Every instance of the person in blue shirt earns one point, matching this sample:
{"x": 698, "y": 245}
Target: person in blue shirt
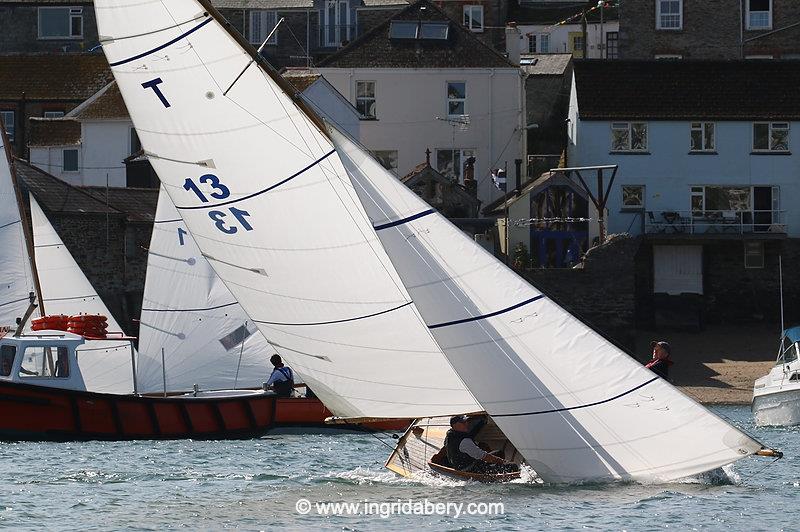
{"x": 282, "y": 378}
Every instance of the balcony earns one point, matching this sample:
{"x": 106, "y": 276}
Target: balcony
{"x": 767, "y": 223}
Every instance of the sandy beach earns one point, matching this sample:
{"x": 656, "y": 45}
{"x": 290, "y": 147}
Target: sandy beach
{"x": 719, "y": 364}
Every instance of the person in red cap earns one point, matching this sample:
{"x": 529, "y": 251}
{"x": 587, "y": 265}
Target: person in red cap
{"x": 661, "y": 361}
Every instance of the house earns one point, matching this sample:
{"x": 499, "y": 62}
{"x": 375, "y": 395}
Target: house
{"x": 28, "y": 26}
{"x": 46, "y": 85}
{"x": 707, "y": 168}
{"x": 107, "y": 231}
{"x": 311, "y": 30}
{"x": 323, "y": 98}
{"x": 697, "y": 29}
{"x": 422, "y": 80}
{"x": 583, "y": 29}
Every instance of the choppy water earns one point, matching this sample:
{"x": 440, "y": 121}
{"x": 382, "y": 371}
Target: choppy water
{"x": 256, "y": 484}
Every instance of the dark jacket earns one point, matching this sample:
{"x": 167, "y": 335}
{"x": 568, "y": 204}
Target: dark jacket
{"x": 660, "y": 367}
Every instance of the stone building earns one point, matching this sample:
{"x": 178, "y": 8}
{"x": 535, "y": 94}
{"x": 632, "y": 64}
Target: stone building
{"x": 28, "y": 26}
{"x": 699, "y": 29}
{"x": 450, "y": 198}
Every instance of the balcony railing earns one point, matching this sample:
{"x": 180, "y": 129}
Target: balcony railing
{"x": 715, "y": 222}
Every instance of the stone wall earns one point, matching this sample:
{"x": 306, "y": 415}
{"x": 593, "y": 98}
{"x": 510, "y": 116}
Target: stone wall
{"x": 19, "y": 31}
{"x": 602, "y": 291}
{"x": 711, "y": 30}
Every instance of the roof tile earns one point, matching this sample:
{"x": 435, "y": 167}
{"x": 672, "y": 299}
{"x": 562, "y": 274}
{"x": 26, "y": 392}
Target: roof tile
{"x": 66, "y": 77}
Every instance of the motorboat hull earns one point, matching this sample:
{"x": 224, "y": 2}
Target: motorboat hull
{"x": 781, "y": 407}
{"x": 37, "y": 413}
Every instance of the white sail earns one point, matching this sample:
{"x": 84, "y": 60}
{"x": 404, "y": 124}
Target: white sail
{"x": 188, "y": 312}
{"x": 105, "y": 364}
{"x": 268, "y": 203}
{"x": 16, "y": 280}
{"x": 575, "y": 406}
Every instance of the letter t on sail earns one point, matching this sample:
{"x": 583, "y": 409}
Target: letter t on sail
{"x": 153, "y": 84}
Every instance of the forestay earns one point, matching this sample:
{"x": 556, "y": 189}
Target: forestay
{"x": 265, "y": 196}
{"x": 188, "y": 312}
{"x": 575, "y": 406}
{"x": 105, "y": 364}
{"x": 16, "y": 279}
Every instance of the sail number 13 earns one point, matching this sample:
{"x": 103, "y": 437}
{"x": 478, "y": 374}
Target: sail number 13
{"x": 221, "y": 218}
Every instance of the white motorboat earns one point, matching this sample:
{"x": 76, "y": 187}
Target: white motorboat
{"x": 776, "y": 395}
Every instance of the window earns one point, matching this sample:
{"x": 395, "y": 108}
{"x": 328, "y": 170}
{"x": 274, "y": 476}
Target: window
{"x": 261, "y": 24}
{"x": 136, "y": 145}
{"x": 629, "y": 136}
{"x": 7, "y": 354}
{"x": 8, "y": 123}
{"x": 667, "y": 56}
{"x": 612, "y": 45}
{"x": 473, "y": 18}
{"x": 40, "y": 361}
{"x": 434, "y": 30}
{"x": 456, "y": 98}
{"x": 753, "y": 254}
{"x": 771, "y": 136}
{"x": 387, "y": 158}
{"x": 60, "y": 22}
{"x": 365, "y": 98}
{"x": 669, "y": 14}
{"x": 400, "y": 29}
{"x": 405, "y": 30}
{"x": 576, "y": 44}
{"x": 759, "y": 14}
{"x": 701, "y": 137}
{"x": 532, "y": 44}
{"x": 633, "y": 197}
{"x": 53, "y": 114}
{"x": 337, "y": 22}
{"x": 70, "y": 162}
{"x": 543, "y": 41}
{"x": 451, "y": 163}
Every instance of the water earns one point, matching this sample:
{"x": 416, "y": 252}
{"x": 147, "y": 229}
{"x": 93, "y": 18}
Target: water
{"x": 256, "y": 484}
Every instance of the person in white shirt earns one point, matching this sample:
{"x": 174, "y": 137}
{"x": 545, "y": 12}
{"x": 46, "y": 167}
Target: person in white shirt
{"x": 282, "y": 378}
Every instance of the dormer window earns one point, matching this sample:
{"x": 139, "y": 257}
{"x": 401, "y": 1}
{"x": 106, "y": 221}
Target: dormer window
{"x": 407, "y": 30}
{"x": 60, "y": 22}
{"x": 401, "y": 29}
{"x": 434, "y": 30}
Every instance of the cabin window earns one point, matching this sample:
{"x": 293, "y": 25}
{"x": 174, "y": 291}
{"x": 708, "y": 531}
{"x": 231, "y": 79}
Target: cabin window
{"x": 365, "y": 98}
{"x": 629, "y": 136}
{"x": 7, "y": 354}
{"x": 669, "y": 14}
{"x": 456, "y": 98}
{"x": 770, "y": 136}
{"x": 759, "y": 14}
{"x": 8, "y": 122}
{"x": 473, "y": 17}
{"x": 45, "y": 361}
{"x": 789, "y": 354}
{"x": 60, "y": 22}
{"x": 261, "y": 24}
{"x": 701, "y": 137}
{"x": 70, "y": 161}
{"x": 387, "y": 158}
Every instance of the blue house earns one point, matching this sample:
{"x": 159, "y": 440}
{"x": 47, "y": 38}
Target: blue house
{"x": 709, "y": 167}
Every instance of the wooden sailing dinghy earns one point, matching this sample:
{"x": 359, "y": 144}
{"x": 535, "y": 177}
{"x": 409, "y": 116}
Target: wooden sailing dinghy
{"x": 386, "y": 308}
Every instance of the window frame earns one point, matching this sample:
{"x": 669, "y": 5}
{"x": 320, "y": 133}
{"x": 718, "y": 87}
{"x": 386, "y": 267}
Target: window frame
{"x": 641, "y": 205}
{"x": 374, "y": 98}
{"x": 659, "y": 15}
{"x": 10, "y": 131}
{"x": 629, "y": 128}
{"x": 58, "y": 350}
{"x": 615, "y": 40}
{"x": 747, "y": 19}
{"x": 72, "y": 12}
{"x": 770, "y": 128}
{"x": 64, "y": 160}
{"x": 702, "y": 128}
{"x": 53, "y": 114}
{"x": 333, "y": 36}
{"x": 273, "y": 41}
{"x": 456, "y": 100}
{"x": 471, "y": 8}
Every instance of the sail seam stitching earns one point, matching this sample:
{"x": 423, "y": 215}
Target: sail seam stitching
{"x": 484, "y": 316}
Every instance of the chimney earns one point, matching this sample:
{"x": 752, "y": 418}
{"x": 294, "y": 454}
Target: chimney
{"x": 512, "y": 42}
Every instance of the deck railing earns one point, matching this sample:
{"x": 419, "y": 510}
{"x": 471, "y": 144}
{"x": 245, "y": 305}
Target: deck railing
{"x": 715, "y": 222}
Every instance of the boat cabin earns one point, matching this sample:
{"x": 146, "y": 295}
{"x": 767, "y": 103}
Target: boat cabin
{"x": 42, "y": 358}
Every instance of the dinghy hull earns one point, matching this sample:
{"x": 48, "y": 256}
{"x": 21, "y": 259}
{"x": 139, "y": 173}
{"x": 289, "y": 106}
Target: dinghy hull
{"x": 38, "y": 413}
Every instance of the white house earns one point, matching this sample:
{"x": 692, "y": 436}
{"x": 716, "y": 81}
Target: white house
{"x": 422, "y": 81}
{"x": 325, "y": 99}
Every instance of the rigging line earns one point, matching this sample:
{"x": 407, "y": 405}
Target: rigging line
{"x": 587, "y": 405}
{"x": 161, "y": 47}
{"x": 10, "y": 224}
{"x": 15, "y": 301}
{"x": 337, "y": 321}
{"x": 189, "y": 309}
{"x": 484, "y": 316}
{"x": 252, "y": 59}
{"x": 254, "y": 194}
{"x": 113, "y": 39}
{"x": 404, "y": 220}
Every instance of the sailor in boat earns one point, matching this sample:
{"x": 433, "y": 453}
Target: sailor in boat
{"x": 466, "y": 455}
{"x": 282, "y": 379}
{"x": 661, "y": 361}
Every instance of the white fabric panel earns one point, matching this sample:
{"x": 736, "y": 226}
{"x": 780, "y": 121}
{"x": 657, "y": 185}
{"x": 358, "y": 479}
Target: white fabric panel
{"x": 16, "y": 280}
{"x": 678, "y": 269}
{"x": 105, "y": 364}
{"x": 189, "y": 312}
{"x": 577, "y": 407}
{"x": 303, "y": 260}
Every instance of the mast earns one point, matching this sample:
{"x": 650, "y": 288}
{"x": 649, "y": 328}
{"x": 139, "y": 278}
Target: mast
{"x": 23, "y": 220}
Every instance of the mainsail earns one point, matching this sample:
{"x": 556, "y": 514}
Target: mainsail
{"x": 105, "y": 364}
{"x": 265, "y": 197}
{"x": 206, "y": 337}
{"x": 576, "y": 406}
{"x": 17, "y": 281}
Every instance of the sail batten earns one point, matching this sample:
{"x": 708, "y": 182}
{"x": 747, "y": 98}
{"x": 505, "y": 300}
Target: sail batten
{"x": 275, "y": 214}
